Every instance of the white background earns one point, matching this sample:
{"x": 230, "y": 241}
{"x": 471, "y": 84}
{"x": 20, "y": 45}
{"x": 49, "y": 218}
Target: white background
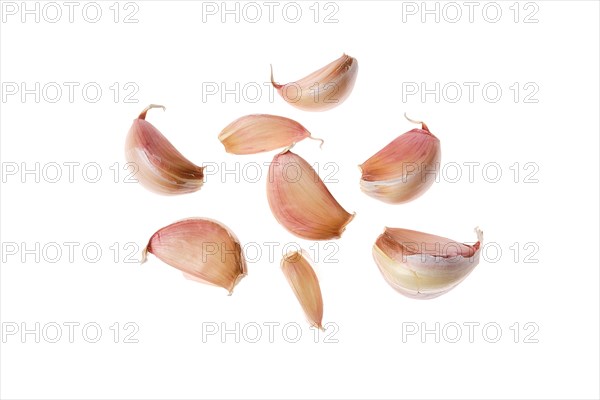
{"x": 169, "y": 54}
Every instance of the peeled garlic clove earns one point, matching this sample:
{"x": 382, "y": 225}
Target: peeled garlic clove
{"x": 324, "y": 89}
{"x": 301, "y": 202}
{"x": 303, "y": 280}
{"x": 421, "y": 265}
{"x": 161, "y": 168}
{"x": 203, "y": 249}
{"x": 258, "y": 133}
{"x": 404, "y": 169}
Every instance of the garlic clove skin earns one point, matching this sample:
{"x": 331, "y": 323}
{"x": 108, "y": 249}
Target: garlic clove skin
{"x": 301, "y": 202}
{"x": 161, "y": 167}
{"x": 203, "y": 249}
{"x": 404, "y": 169}
{"x": 424, "y": 266}
{"x": 305, "y": 284}
{"x": 322, "y": 90}
{"x": 259, "y": 133}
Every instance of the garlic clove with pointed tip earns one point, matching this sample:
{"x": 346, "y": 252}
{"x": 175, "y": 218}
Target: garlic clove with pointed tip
{"x": 161, "y": 168}
{"x": 301, "y": 202}
{"x": 322, "y": 90}
{"x": 258, "y": 133}
{"x": 404, "y": 169}
{"x": 305, "y": 284}
{"x": 203, "y": 249}
{"x": 421, "y": 265}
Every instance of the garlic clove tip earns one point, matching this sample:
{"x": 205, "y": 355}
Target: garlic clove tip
{"x": 150, "y": 107}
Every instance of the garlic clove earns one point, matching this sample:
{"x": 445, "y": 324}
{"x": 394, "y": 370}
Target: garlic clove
{"x": 322, "y": 90}
{"x": 421, "y": 265}
{"x": 404, "y": 169}
{"x": 203, "y": 249}
{"x": 301, "y": 202}
{"x": 161, "y": 167}
{"x": 258, "y": 133}
{"x": 305, "y": 284}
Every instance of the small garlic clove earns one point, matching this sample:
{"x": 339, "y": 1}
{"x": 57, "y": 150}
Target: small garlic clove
{"x": 203, "y": 249}
{"x": 303, "y": 280}
{"x": 324, "y": 89}
{"x": 301, "y": 202}
{"x": 421, "y": 265}
{"x": 161, "y": 168}
{"x": 258, "y": 133}
{"x": 404, "y": 169}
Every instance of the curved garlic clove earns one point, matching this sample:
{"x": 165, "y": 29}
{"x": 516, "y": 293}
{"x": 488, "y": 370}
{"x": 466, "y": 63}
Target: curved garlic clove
{"x": 203, "y": 249}
{"x": 258, "y": 133}
{"x": 161, "y": 167}
{"x": 404, "y": 169}
{"x": 322, "y": 90}
{"x": 301, "y": 202}
{"x": 305, "y": 284}
{"x": 421, "y": 265}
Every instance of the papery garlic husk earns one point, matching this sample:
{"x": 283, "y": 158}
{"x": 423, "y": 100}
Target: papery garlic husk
{"x": 203, "y": 249}
{"x": 303, "y": 280}
{"x": 161, "y": 168}
{"x": 301, "y": 202}
{"x": 258, "y": 133}
{"x": 322, "y": 90}
{"x": 424, "y": 266}
{"x": 404, "y": 169}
